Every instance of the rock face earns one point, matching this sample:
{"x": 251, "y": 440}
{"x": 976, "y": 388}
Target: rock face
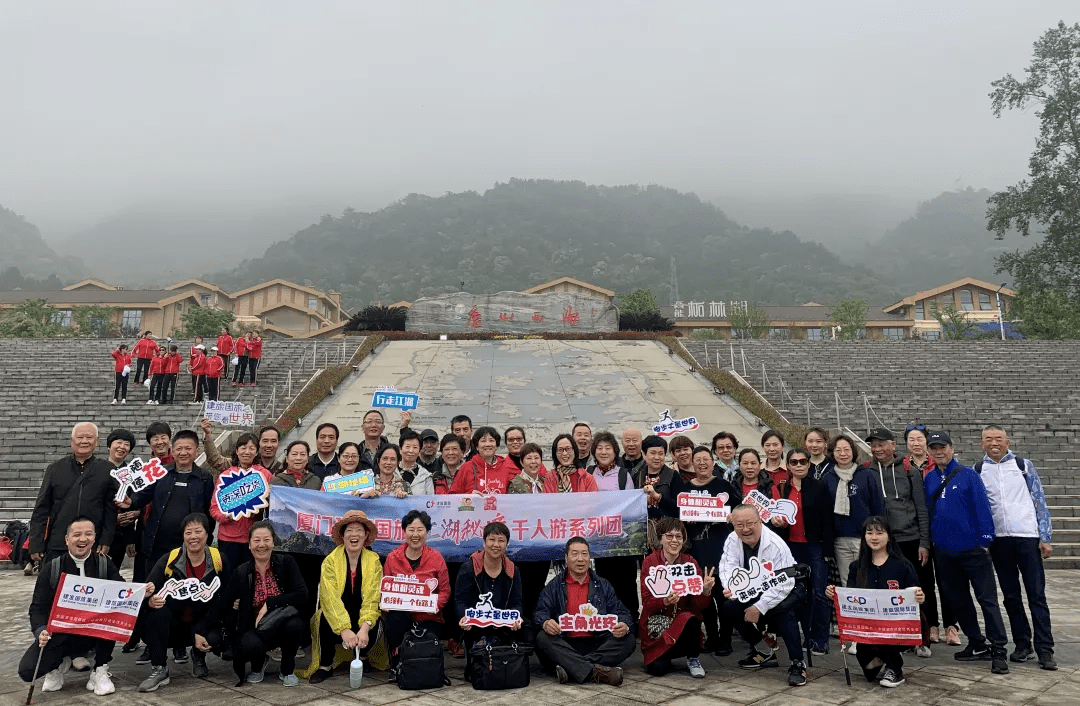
{"x": 512, "y": 312}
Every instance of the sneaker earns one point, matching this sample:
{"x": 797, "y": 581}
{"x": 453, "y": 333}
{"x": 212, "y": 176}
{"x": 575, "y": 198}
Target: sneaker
{"x": 289, "y": 680}
{"x": 612, "y": 676}
{"x": 770, "y": 641}
{"x": 796, "y": 674}
{"x": 694, "y": 665}
{"x": 319, "y": 676}
{"x": 891, "y": 678}
{"x": 300, "y": 653}
{"x": 952, "y": 636}
{"x": 144, "y": 658}
{"x": 179, "y": 655}
{"x": 113, "y": 402}
{"x": 149, "y": 402}
{"x": 923, "y": 651}
{"x": 80, "y": 664}
{"x": 130, "y": 647}
{"x": 198, "y": 664}
{"x": 1046, "y": 661}
{"x": 974, "y": 652}
{"x": 561, "y": 674}
{"x": 998, "y": 663}
{"x": 100, "y": 681}
{"x": 757, "y": 660}
{"x": 159, "y": 676}
{"x": 819, "y": 650}
{"x": 275, "y": 654}
{"x": 935, "y": 635}
{"x": 1021, "y": 654}
{"x": 853, "y": 648}
{"x": 28, "y": 570}
{"x": 54, "y": 680}
{"x": 123, "y": 401}
{"x": 257, "y": 677}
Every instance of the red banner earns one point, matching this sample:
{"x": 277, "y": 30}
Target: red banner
{"x": 95, "y": 607}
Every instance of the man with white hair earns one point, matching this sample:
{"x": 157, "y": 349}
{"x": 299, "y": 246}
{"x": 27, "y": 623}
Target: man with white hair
{"x": 78, "y": 485}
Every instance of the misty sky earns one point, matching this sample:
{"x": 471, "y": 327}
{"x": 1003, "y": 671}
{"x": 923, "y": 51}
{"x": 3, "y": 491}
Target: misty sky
{"x": 108, "y": 104}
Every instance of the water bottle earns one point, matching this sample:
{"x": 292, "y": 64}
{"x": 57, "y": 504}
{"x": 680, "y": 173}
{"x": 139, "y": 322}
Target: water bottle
{"x": 356, "y": 671}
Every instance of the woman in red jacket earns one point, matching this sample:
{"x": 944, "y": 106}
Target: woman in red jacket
{"x": 224, "y": 349}
{"x": 122, "y": 360}
{"x": 241, "y": 359}
{"x": 416, "y": 560}
{"x": 485, "y": 473}
{"x": 157, "y": 375}
{"x": 172, "y": 371}
{"x": 214, "y": 366}
{"x": 198, "y": 371}
{"x": 191, "y": 364}
{"x": 254, "y": 351}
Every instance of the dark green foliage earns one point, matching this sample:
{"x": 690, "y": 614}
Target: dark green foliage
{"x": 955, "y": 325}
{"x": 205, "y": 321}
{"x": 378, "y": 318}
{"x": 639, "y": 301}
{"x": 1046, "y": 315}
{"x": 645, "y": 322}
{"x": 850, "y": 317}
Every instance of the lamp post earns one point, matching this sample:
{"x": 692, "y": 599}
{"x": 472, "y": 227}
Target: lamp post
{"x": 1001, "y": 321}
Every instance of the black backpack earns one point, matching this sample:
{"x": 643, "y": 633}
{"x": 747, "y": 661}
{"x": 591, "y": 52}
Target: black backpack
{"x": 421, "y": 662}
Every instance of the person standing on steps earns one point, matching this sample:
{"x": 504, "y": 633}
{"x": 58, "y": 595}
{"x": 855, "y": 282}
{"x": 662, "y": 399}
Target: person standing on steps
{"x": 145, "y": 348}
{"x": 173, "y": 362}
{"x": 224, "y": 348}
{"x": 157, "y": 376}
{"x": 254, "y": 351}
{"x": 121, "y": 369}
{"x": 198, "y": 372}
{"x": 191, "y": 364}
{"x": 241, "y": 347}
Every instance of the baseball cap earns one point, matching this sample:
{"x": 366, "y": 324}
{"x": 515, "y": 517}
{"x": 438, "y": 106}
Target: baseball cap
{"x": 939, "y": 438}
{"x": 881, "y": 434}
{"x": 428, "y": 434}
{"x": 213, "y": 348}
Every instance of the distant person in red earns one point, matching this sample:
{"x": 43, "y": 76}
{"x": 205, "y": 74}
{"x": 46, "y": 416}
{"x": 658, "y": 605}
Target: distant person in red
{"x": 224, "y": 348}
{"x": 485, "y": 473}
{"x": 121, "y": 368}
{"x": 191, "y": 360}
{"x": 157, "y": 375}
{"x": 241, "y": 359}
{"x": 214, "y": 367}
{"x": 172, "y": 371}
{"x": 198, "y": 371}
{"x": 254, "y": 347}
{"x": 144, "y": 352}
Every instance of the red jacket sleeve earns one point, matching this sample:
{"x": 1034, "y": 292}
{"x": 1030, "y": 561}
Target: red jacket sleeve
{"x": 463, "y": 482}
{"x": 241, "y": 346}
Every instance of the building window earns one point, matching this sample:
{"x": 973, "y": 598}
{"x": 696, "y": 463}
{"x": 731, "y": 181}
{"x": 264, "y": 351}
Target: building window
{"x": 965, "y": 300}
{"x": 920, "y": 312}
{"x": 815, "y": 334}
{"x": 783, "y": 333}
{"x": 984, "y": 302}
{"x": 313, "y": 303}
{"x": 62, "y": 317}
{"x": 893, "y": 333}
{"x": 204, "y": 299}
{"x": 931, "y": 335}
{"x": 131, "y": 321}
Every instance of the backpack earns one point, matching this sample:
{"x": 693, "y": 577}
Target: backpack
{"x": 1020, "y": 463}
{"x": 54, "y": 569}
{"x": 215, "y": 556}
{"x": 420, "y": 663}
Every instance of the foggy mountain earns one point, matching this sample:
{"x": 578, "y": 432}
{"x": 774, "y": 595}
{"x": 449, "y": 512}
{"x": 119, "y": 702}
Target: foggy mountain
{"x": 22, "y": 247}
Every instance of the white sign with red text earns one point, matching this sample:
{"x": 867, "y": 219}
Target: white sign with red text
{"x": 137, "y": 475}
{"x": 96, "y": 607}
{"x": 680, "y": 579}
{"x": 768, "y": 508}
{"x": 409, "y": 594}
{"x": 587, "y": 619}
{"x": 703, "y": 508}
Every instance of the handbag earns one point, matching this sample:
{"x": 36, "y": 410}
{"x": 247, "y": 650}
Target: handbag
{"x": 420, "y": 661}
{"x": 496, "y": 667}
{"x": 274, "y": 619}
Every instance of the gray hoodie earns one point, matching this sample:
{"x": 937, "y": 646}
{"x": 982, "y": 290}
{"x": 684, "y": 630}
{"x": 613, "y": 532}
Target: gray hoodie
{"x": 905, "y": 500}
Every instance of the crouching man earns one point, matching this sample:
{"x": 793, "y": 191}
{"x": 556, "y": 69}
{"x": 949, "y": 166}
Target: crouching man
{"x": 582, "y": 656}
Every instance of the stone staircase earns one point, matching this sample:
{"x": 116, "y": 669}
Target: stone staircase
{"x": 47, "y": 386}
{"x": 1031, "y": 388}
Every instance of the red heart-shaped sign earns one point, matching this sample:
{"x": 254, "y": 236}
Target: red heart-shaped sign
{"x": 767, "y": 565}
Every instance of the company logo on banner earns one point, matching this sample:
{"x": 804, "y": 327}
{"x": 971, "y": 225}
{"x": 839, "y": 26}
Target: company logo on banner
{"x": 670, "y": 427}
{"x": 242, "y": 493}
{"x": 409, "y": 593}
{"x": 587, "y": 619}
{"x": 485, "y": 615}
{"x": 95, "y": 607}
{"x": 878, "y": 616}
{"x": 614, "y": 522}
{"x": 191, "y": 589}
{"x": 136, "y": 476}
{"x": 768, "y": 508}
{"x": 680, "y": 579}
{"x": 695, "y": 507}
{"x": 229, "y": 413}
{"x": 747, "y": 586}
{"x": 388, "y": 396}
{"x": 346, "y": 484}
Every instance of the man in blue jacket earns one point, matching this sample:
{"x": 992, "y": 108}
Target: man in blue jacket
{"x": 962, "y": 530}
{"x": 580, "y": 656}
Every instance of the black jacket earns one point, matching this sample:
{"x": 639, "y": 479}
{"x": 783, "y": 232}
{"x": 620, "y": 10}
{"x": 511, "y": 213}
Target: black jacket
{"x": 635, "y": 467}
{"x": 207, "y": 616}
{"x": 816, "y": 513}
{"x": 662, "y": 487}
{"x": 68, "y": 491}
{"x": 322, "y": 470}
{"x": 472, "y": 580}
{"x": 242, "y": 585}
{"x": 552, "y": 601}
{"x": 896, "y": 569}
{"x": 45, "y": 588}
{"x": 200, "y": 490}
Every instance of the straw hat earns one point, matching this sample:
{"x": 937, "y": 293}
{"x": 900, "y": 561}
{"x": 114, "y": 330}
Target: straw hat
{"x": 350, "y": 517}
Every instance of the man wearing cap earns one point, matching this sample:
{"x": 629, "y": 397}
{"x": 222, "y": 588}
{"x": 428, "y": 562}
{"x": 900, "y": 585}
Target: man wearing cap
{"x": 962, "y": 529}
{"x": 1021, "y": 542}
{"x": 429, "y": 451}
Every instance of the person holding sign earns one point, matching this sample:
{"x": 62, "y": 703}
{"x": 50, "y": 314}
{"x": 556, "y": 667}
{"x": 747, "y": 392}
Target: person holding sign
{"x": 881, "y": 565}
{"x": 348, "y": 456}
{"x": 671, "y": 617}
{"x": 234, "y": 522}
{"x": 51, "y": 654}
{"x": 489, "y": 578}
{"x": 349, "y": 595}
{"x": 595, "y": 652}
{"x": 388, "y": 481}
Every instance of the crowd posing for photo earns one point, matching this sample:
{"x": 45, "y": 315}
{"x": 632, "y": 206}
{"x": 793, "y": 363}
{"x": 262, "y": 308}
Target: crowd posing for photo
{"x": 919, "y": 520}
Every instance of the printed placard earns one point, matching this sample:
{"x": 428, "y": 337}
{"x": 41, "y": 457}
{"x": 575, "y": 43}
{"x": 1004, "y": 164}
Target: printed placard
{"x": 410, "y": 594}
{"x": 388, "y": 396}
{"x": 346, "y": 484}
{"x": 191, "y": 589}
{"x": 242, "y": 493}
{"x": 137, "y": 475}
{"x": 680, "y": 579}
{"x": 587, "y": 619}
{"x": 695, "y": 507}
{"x": 768, "y": 508}
{"x": 229, "y": 413}
{"x": 878, "y": 616}
{"x": 95, "y": 607}
{"x": 485, "y": 615}
{"x": 670, "y": 427}
{"x": 747, "y": 586}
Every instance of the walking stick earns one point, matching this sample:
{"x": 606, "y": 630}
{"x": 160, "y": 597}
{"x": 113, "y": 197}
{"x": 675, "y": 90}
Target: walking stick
{"x": 30, "y": 694}
{"x": 836, "y": 606}
{"x": 847, "y": 674}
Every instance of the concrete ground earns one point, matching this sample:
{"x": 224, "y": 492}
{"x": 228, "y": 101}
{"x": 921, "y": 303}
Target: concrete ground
{"x": 937, "y": 680}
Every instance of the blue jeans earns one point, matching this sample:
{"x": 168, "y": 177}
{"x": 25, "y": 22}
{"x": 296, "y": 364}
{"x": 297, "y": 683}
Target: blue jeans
{"x": 1015, "y": 558}
{"x": 957, "y": 571}
{"x": 815, "y": 622}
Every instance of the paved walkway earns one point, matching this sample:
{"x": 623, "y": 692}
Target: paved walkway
{"x": 937, "y": 680}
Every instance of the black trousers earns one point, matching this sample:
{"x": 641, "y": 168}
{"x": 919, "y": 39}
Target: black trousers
{"x": 212, "y": 388}
{"x": 973, "y": 567}
{"x": 251, "y": 647}
{"x": 1017, "y": 558}
{"x": 621, "y": 572}
{"x": 165, "y": 629}
{"x": 200, "y": 388}
{"x": 59, "y": 646}
{"x": 224, "y": 371}
{"x": 253, "y": 367}
{"x": 120, "y": 391}
{"x": 533, "y": 577}
{"x": 329, "y": 640}
{"x": 156, "y": 383}
{"x": 142, "y": 369}
{"x": 240, "y": 369}
{"x": 780, "y": 621}
{"x": 889, "y": 654}
{"x": 168, "y": 389}
{"x": 688, "y": 645}
{"x": 578, "y": 655}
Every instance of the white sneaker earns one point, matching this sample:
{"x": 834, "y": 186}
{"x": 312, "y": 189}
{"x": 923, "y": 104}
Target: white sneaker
{"x": 149, "y": 402}
{"x": 54, "y": 680}
{"x": 114, "y": 401}
{"x": 922, "y": 651}
{"x": 123, "y": 401}
{"x": 852, "y": 648}
{"x": 80, "y": 664}
{"x": 275, "y": 654}
{"x": 696, "y": 670}
{"x": 100, "y": 681}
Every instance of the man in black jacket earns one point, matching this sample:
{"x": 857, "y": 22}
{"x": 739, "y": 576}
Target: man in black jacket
{"x": 57, "y": 651}
{"x": 584, "y": 656}
{"x": 76, "y": 485}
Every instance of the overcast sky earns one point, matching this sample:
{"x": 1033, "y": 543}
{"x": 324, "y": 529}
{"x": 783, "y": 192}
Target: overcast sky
{"x": 107, "y": 104}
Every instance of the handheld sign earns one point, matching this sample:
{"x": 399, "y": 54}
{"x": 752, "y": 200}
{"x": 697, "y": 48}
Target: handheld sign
{"x": 670, "y": 427}
{"x": 680, "y": 579}
{"x": 409, "y": 593}
{"x": 242, "y": 493}
{"x": 587, "y": 619}
{"x": 747, "y": 586}
{"x": 136, "y": 475}
{"x": 354, "y": 481}
{"x": 95, "y": 607}
{"x": 485, "y": 615}
{"x": 229, "y": 413}
{"x": 768, "y": 508}
{"x": 190, "y": 589}
{"x": 390, "y": 397}
{"x": 878, "y": 616}
{"x": 702, "y": 508}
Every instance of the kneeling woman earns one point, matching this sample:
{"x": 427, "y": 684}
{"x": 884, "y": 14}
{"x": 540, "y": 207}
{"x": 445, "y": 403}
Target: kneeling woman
{"x": 349, "y": 592}
{"x": 672, "y": 623}
{"x": 267, "y": 594}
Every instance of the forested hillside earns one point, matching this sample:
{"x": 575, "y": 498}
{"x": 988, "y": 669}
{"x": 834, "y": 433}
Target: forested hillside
{"x": 22, "y": 247}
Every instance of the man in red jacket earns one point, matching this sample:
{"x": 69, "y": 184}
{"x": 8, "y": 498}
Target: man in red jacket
{"x": 144, "y": 352}
{"x": 214, "y": 367}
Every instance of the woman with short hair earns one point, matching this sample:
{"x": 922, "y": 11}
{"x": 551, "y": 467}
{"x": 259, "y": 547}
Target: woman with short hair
{"x": 296, "y": 473}
{"x": 233, "y": 537}
{"x": 388, "y": 479}
{"x": 486, "y": 473}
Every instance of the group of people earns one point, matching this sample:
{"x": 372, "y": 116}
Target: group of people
{"x": 160, "y": 364}
{"x": 887, "y": 523}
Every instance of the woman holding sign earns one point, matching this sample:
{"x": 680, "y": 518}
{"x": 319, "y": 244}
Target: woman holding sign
{"x": 235, "y": 510}
{"x": 388, "y": 481}
{"x": 881, "y": 565}
{"x": 672, "y": 604}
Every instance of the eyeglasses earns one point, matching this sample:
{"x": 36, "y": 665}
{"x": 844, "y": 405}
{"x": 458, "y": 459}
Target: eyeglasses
{"x": 672, "y": 536}
{"x": 798, "y": 462}
{"x": 350, "y": 457}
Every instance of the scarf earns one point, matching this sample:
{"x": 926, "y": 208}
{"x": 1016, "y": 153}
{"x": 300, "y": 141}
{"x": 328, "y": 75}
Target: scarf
{"x": 564, "y": 477}
{"x": 842, "y": 504}
{"x": 535, "y": 485}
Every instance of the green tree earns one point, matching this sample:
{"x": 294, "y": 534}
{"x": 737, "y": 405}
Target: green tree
{"x": 850, "y": 318}
{"x": 1046, "y": 315}
{"x": 748, "y": 322}
{"x": 639, "y": 301}
{"x": 205, "y": 321}
{"x": 1050, "y": 197}
{"x": 33, "y": 318}
{"x": 955, "y": 325}
{"x": 94, "y": 322}
{"x": 704, "y": 334}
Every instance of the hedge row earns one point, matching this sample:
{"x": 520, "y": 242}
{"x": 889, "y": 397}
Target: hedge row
{"x": 496, "y": 336}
